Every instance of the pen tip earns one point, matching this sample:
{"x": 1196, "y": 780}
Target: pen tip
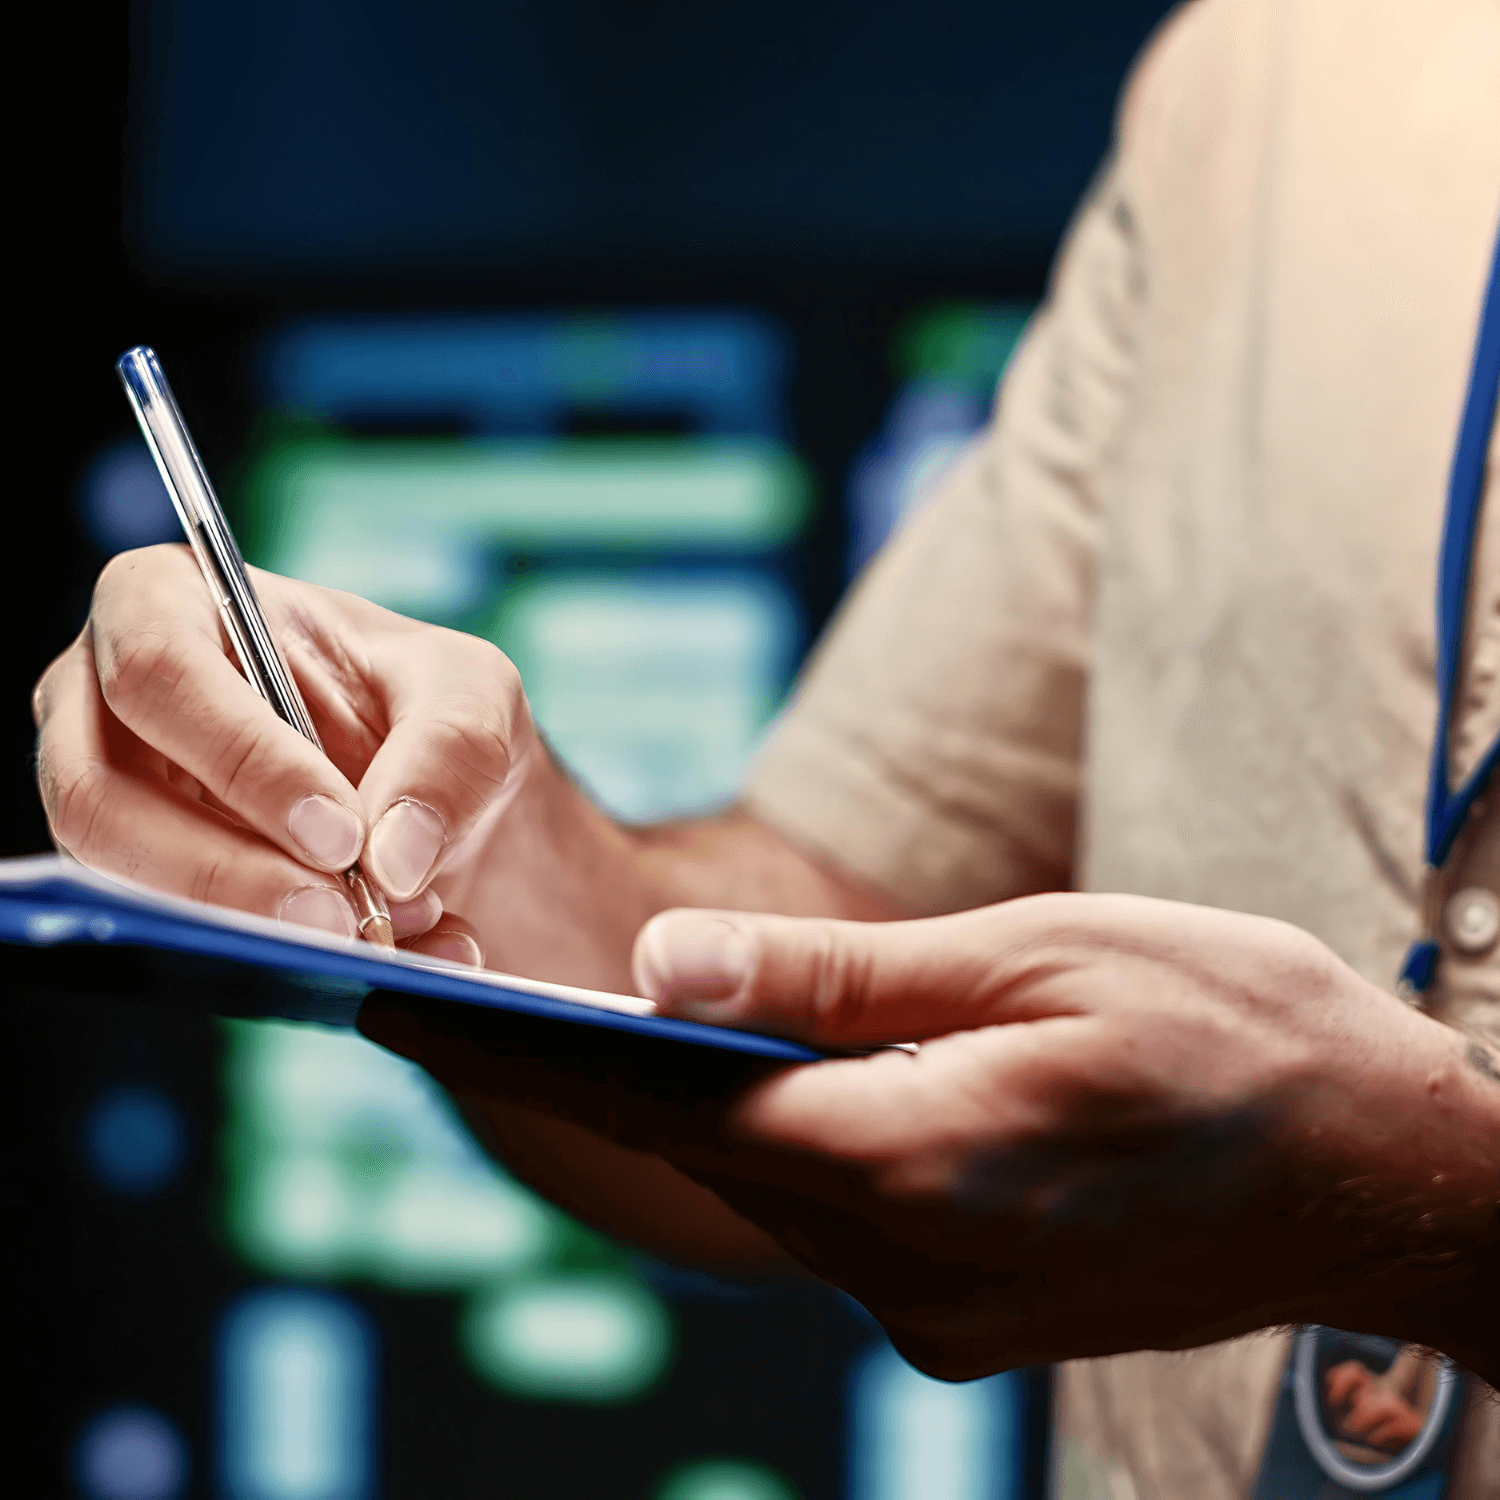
{"x": 377, "y": 931}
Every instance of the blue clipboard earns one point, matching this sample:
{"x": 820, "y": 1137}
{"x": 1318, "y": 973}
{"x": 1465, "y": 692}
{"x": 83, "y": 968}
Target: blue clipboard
{"x": 51, "y": 903}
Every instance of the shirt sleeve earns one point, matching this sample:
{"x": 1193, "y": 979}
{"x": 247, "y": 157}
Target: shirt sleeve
{"x": 931, "y": 750}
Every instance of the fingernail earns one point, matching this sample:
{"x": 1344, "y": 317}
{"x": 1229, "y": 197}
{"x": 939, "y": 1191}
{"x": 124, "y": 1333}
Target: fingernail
{"x": 330, "y": 832}
{"x": 404, "y": 846}
{"x": 683, "y": 957}
{"x": 322, "y": 907}
{"x": 456, "y": 947}
{"x": 408, "y": 918}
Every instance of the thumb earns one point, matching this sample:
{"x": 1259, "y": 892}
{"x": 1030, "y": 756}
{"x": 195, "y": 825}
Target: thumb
{"x": 850, "y": 984}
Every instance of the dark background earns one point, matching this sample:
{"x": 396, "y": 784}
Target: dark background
{"x": 200, "y": 172}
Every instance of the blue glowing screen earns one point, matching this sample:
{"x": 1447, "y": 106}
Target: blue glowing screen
{"x": 130, "y": 1453}
{"x": 296, "y": 1393}
{"x": 712, "y": 371}
{"x": 135, "y": 1140}
{"x": 914, "y": 1438}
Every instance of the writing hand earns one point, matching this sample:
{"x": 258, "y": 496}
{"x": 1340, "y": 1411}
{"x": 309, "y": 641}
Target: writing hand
{"x": 157, "y": 761}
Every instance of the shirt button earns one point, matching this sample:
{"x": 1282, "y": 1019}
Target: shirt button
{"x": 1473, "y": 920}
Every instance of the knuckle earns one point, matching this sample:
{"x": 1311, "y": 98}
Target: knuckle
{"x": 244, "y": 760}
{"x": 1056, "y": 925}
{"x": 473, "y": 743}
{"x": 508, "y": 677}
{"x": 1307, "y": 956}
{"x": 497, "y": 667}
{"x": 73, "y": 800}
{"x": 494, "y": 675}
{"x": 114, "y": 575}
{"x": 136, "y": 671}
{"x": 45, "y": 691}
{"x": 840, "y": 979}
{"x": 131, "y": 574}
{"x": 210, "y": 882}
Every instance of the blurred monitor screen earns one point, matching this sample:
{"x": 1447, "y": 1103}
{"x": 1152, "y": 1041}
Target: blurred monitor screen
{"x": 292, "y": 139}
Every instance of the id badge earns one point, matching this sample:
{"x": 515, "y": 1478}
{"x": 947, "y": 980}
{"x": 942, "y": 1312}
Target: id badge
{"x": 1361, "y": 1415}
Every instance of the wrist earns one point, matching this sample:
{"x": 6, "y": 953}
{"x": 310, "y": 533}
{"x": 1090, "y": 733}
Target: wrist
{"x": 1461, "y": 1316}
{"x": 554, "y": 886}
{"x": 1417, "y": 1205}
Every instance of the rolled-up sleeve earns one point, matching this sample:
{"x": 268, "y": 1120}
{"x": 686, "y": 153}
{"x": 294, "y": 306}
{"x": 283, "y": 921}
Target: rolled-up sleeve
{"x": 931, "y": 750}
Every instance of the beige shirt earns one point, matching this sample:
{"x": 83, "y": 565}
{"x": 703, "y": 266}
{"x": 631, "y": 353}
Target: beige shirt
{"x": 1167, "y": 627}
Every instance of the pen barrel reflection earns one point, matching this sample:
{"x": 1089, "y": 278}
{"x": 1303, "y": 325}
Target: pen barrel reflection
{"x": 370, "y": 910}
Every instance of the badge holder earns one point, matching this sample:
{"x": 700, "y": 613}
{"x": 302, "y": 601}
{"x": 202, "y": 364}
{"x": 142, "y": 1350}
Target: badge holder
{"x": 1319, "y": 1448}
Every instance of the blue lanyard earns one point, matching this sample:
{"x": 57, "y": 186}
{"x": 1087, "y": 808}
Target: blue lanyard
{"x": 1446, "y": 808}
{"x": 1300, "y": 1459}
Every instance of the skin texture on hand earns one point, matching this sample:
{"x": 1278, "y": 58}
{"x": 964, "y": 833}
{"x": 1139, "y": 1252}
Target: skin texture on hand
{"x": 1130, "y": 1124}
{"x": 157, "y": 761}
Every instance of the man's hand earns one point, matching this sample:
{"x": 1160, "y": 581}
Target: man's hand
{"x": 158, "y": 761}
{"x": 1130, "y": 1124}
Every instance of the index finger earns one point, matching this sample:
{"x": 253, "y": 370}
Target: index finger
{"x": 160, "y": 661}
{"x": 117, "y": 814}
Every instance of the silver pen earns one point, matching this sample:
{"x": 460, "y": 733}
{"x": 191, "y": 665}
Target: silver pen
{"x": 223, "y": 569}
